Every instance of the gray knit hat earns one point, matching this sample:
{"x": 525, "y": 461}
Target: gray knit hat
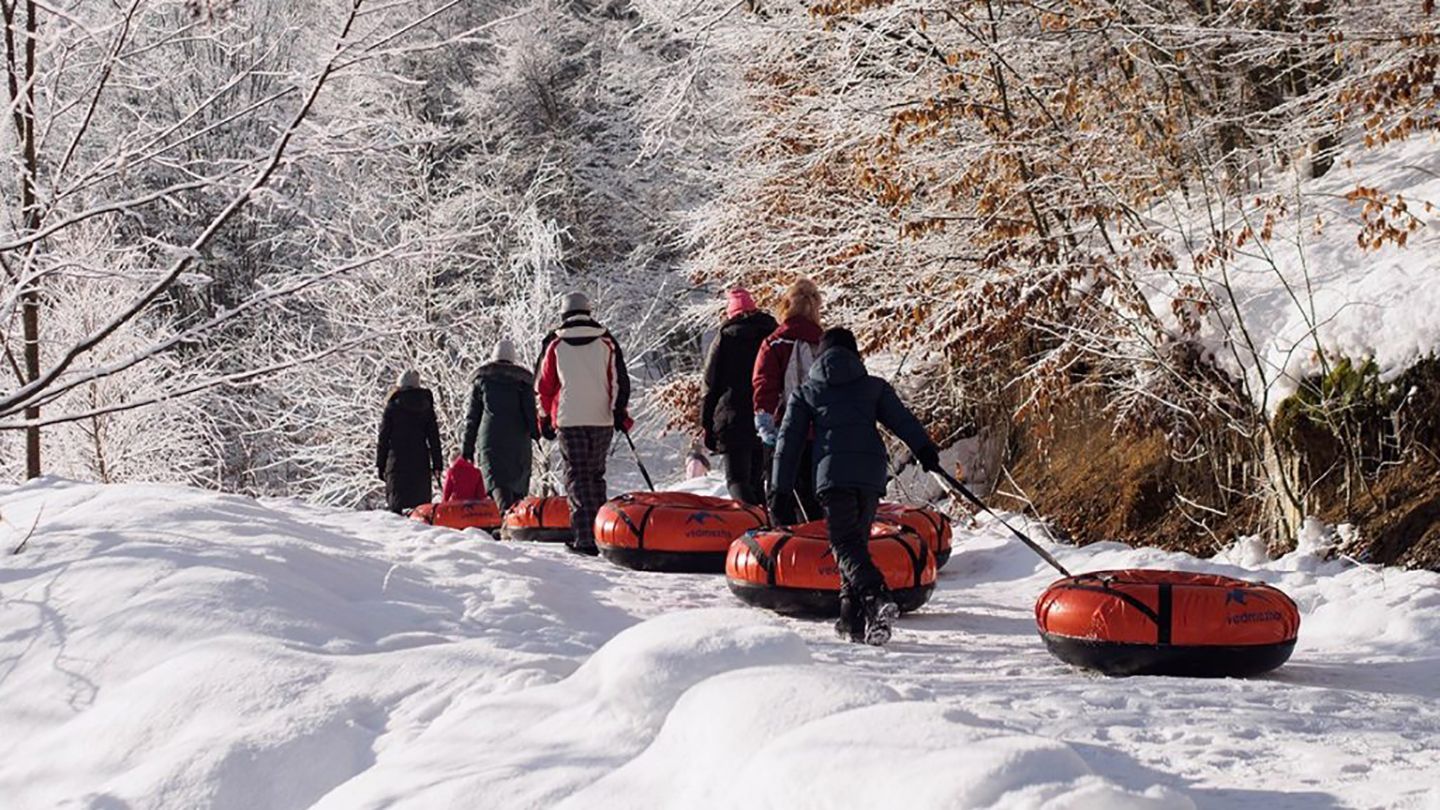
{"x": 504, "y": 351}
{"x": 575, "y": 302}
{"x": 408, "y": 379}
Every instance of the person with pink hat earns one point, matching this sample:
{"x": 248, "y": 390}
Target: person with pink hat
{"x": 727, "y": 414}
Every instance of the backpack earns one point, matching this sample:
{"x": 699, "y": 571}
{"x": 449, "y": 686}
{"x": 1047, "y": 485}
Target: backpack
{"x": 797, "y": 370}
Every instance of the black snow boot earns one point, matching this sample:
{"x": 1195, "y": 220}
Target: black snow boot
{"x": 851, "y": 624}
{"x": 880, "y": 616}
{"x": 588, "y": 549}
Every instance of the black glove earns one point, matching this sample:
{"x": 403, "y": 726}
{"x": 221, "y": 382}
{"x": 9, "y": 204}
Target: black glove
{"x": 381, "y": 473}
{"x": 710, "y": 443}
{"x": 547, "y": 429}
{"x": 623, "y": 422}
{"x": 929, "y": 458}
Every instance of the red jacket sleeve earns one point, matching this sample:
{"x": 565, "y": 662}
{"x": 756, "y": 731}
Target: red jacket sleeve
{"x": 547, "y": 383}
{"x": 768, "y": 379}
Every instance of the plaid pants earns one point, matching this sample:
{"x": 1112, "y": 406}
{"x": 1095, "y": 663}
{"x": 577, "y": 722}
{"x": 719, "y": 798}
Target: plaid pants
{"x": 584, "y": 450}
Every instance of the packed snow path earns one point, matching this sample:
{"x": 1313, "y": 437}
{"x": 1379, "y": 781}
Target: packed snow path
{"x": 164, "y": 647}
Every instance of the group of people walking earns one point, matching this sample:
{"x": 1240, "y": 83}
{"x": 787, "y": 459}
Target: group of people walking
{"x": 789, "y": 404}
{"x": 578, "y": 396}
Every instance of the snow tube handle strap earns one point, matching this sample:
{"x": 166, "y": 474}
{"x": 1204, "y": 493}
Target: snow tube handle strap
{"x": 767, "y": 561}
{"x": 904, "y": 539}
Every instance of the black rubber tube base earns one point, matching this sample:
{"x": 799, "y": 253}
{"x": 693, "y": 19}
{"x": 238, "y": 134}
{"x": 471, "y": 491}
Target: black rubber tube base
{"x": 669, "y": 562}
{"x": 816, "y": 602}
{"x": 536, "y": 535}
{"x": 1168, "y": 659}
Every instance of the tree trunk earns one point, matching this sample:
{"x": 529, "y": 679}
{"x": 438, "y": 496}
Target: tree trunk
{"x": 30, "y": 317}
{"x": 30, "y": 207}
{"x": 1281, "y": 471}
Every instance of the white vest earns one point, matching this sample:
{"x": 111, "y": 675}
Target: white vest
{"x": 587, "y": 378}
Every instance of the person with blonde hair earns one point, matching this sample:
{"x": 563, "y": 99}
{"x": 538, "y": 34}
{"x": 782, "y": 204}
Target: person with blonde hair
{"x": 781, "y": 367}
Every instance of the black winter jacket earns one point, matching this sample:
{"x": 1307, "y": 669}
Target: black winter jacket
{"x": 842, "y": 404}
{"x": 502, "y": 417}
{"x": 409, "y": 448}
{"x": 727, "y": 412}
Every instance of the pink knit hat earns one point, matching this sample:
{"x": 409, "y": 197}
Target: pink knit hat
{"x": 738, "y": 301}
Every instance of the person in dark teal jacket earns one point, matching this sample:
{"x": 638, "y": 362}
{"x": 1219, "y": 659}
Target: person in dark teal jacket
{"x": 502, "y": 417}
{"x": 841, "y": 405}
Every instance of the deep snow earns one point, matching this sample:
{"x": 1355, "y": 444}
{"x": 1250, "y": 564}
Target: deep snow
{"x": 166, "y": 647}
{"x": 1312, "y": 289}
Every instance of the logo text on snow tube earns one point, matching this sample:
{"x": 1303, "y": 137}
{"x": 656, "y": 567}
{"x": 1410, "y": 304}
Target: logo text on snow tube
{"x": 1255, "y": 616}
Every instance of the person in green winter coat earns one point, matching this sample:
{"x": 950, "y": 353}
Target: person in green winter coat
{"x": 502, "y": 417}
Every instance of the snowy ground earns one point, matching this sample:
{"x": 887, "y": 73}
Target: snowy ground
{"x": 170, "y": 648}
{"x": 1318, "y": 288}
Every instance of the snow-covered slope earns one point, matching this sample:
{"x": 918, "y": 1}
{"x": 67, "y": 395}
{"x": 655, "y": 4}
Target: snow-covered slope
{"x": 165, "y": 647}
{"x": 1315, "y": 287}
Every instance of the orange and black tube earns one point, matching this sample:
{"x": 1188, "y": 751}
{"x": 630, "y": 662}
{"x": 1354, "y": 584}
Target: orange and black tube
{"x": 677, "y": 532}
{"x": 792, "y": 571}
{"x": 538, "y": 520}
{"x": 1150, "y": 622}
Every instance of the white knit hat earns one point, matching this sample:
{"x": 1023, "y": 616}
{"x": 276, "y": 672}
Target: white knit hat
{"x": 408, "y": 379}
{"x": 575, "y": 302}
{"x": 504, "y": 351}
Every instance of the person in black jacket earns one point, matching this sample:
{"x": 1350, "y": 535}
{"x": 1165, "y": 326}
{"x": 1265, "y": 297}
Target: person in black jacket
{"x": 502, "y": 416}
{"x": 408, "y": 453}
{"x": 842, "y": 404}
{"x": 727, "y": 412}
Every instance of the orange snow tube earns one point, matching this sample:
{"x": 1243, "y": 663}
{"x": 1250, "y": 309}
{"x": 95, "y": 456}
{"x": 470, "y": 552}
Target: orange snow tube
{"x": 1145, "y": 622}
{"x": 932, "y": 526}
{"x": 791, "y": 570}
{"x": 481, "y": 514}
{"x": 538, "y": 520}
{"x": 673, "y": 531}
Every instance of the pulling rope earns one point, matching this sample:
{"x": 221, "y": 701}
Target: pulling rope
{"x": 963, "y": 491}
{"x": 638, "y": 462}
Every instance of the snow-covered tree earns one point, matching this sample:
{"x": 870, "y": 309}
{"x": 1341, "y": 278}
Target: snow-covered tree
{"x": 162, "y": 155}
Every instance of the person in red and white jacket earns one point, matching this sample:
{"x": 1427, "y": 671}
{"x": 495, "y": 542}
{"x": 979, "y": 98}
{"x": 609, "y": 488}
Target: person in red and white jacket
{"x": 584, "y": 393}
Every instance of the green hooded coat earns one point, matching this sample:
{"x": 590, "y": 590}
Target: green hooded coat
{"x": 502, "y": 417}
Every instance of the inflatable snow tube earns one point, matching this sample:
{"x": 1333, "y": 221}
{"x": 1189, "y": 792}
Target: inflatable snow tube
{"x": 481, "y": 514}
{"x": 1144, "y": 622}
{"x": 538, "y": 520}
{"x": 677, "y": 532}
{"x": 932, "y": 526}
{"x": 791, "y": 570}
